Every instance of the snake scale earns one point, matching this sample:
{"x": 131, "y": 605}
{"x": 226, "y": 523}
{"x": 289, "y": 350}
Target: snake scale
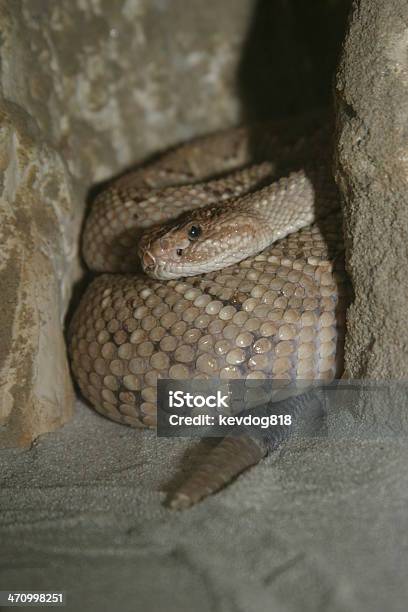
{"x": 249, "y": 219}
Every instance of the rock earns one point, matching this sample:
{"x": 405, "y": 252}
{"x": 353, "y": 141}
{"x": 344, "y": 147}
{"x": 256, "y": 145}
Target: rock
{"x": 372, "y": 171}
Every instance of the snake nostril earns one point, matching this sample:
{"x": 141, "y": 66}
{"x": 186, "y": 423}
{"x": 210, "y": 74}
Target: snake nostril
{"x": 179, "y": 252}
{"x": 148, "y": 260}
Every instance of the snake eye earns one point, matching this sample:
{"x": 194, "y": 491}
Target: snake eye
{"x": 179, "y": 252}
{"x": 194, "y": 231}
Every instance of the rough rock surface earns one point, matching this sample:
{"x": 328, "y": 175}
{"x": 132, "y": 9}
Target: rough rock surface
{"x": 372, "y": 168}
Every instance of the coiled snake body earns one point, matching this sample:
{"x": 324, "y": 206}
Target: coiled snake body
{"x": 274, "y": 311}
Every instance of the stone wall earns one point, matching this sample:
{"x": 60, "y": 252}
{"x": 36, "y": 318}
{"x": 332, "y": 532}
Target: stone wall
{"x": 372, "y": 171}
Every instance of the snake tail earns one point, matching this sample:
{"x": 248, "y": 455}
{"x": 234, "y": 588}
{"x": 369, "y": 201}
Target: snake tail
{"x": 228, "y": 459}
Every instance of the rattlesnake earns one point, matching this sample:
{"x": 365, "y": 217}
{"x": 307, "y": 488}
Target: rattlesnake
{"x": 278, "y": 313}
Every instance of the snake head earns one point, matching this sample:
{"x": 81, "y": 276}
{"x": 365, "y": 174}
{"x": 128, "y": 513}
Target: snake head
{"x": 207, "y": 239}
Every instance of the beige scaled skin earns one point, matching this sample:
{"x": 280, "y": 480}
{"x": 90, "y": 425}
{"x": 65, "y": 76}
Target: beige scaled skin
{"x": 239, "y": 235}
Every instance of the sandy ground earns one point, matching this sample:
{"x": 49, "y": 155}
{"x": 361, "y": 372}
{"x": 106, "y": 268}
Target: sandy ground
{"x": 322, "y": 525}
